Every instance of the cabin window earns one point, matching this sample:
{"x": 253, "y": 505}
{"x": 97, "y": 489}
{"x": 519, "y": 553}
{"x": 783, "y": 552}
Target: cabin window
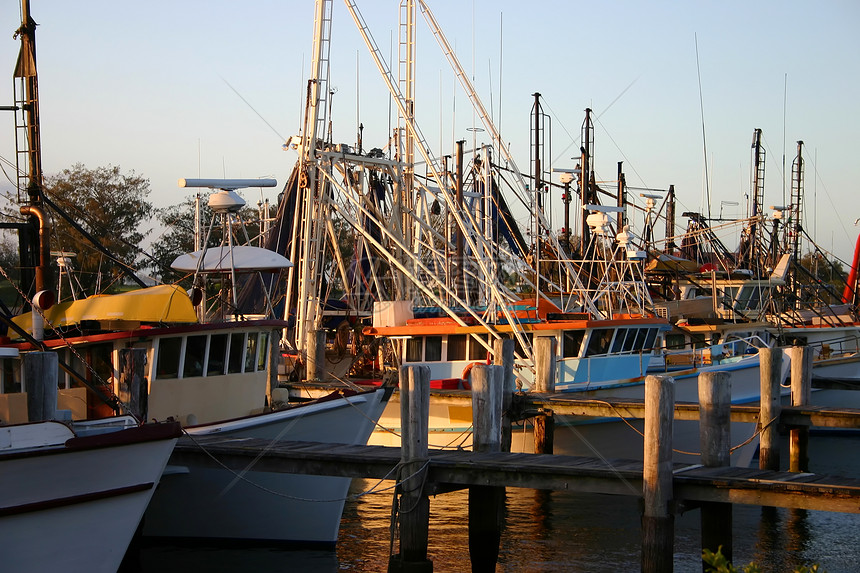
{"x": 571, "y": 343}
{"x": 520, "y": 350}
{"x": 618, "y": 343}
{"x": 630, "y": 340}
{"x": 675, "y": 341}
{"x": 262, "y": 351}
{"x": 750, "y": 297}
{"x": 217, "y": 353}
{"x": 698, "y": 340}
{"x": 251, "y": 352}
{"x": 11, "y": 376}
{"x": 641, "y": 335}
{"x": 727, "y": 296}
{"x": 413, "y": 349}
{"x": 649, "y": 340}
{"x": 237, "y": 345}
{"x": 598, "y": 342}
{"x": 167, "y": 364}
{"x": 456, "y": 347}
{"x": 433, "y": 349}
{"x": 195, "y": 353}
{"x": 477, "y": 351}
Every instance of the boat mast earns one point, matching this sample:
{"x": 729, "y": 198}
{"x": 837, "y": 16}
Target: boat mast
{"x": 309, "y": 232}
{"x": 751, "y": 256}
{"x": 796, "y": 225}
{"x": 29, "y": 155}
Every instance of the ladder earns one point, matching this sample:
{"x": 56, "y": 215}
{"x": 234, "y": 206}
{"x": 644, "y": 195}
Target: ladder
{"x": 796, "y": 227}
{"x": 312, "y": 230}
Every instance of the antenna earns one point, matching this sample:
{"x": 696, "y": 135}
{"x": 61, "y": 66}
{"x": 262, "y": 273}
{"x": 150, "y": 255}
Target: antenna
{"x": 704, "y": 139}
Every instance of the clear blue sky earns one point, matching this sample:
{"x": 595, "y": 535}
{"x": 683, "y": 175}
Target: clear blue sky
{"x": 144, "y": 85}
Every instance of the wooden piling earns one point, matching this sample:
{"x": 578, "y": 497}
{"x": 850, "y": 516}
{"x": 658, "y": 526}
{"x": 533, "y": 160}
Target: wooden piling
{"x": 40, "y": 383}
{"x": 414, "y": 505}
{"x": 315, "y": 353}
{"x": 545, "y": 373}
{"x": 503, "y": 351}
{"x": 715, "y": 399}
{"x": 486, "y": 503}
{"x": 658, "y": 533}
{"x": 133, "y": 391}
{"x": 770, "y": 363}
{"x": 801, "y": 388}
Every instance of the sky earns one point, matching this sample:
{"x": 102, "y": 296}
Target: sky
{"x": 190, "y": 88}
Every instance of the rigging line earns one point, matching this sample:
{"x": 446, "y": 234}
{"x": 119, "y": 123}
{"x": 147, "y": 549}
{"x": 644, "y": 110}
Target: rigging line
{"x": 626, "y": 159}
{"x": 834, "y": 210}
{"x": 704, "y": 139}
{"x": 235, "y": 91}
{"x": 575, "y": 141}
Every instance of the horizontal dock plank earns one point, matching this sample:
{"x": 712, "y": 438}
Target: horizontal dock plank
{"x": 537, "y": 471}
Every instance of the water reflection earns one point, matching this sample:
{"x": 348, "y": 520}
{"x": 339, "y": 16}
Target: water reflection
{"x": 556, "y": 531}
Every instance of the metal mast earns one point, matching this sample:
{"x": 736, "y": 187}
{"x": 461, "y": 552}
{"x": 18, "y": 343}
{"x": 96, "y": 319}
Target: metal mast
{"x": 796, "y": 226}
{"x": 29, "y": 156}
{"x": 309, "y": 231}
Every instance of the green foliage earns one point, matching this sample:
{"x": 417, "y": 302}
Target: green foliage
{"x": 829, "y": 275}
{"x": 112, "y": 207}
{"x": 717, "y": 563}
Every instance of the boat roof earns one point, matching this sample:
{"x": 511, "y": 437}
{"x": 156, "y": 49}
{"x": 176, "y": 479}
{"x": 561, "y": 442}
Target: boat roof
{"x": 242, "y": 258}
{"x": 438, "y": 326}
{"x": 161, "y": 303}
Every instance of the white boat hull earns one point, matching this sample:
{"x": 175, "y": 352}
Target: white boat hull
{"x": 195, "y": 503}
{"x": 75, "y": 510}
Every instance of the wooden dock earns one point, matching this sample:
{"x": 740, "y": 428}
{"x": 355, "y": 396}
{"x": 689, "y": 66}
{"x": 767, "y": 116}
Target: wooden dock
{"x": 664, "y": 487}
{"x": 449, "y": 470}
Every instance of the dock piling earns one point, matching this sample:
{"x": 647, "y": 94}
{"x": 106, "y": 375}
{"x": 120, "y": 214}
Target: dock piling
{"x": 503, "y": 350}
{"x": 715, "y": 400}
{"x": 40, "y": 380}
{"x": 545, "y": 366}
{"x": 414, "y": 504}
{"x": 658, "y": 522}
{"x": 770, "y": 363}
{"x": 486, "y": 503}
{"x": 801, "y": 388}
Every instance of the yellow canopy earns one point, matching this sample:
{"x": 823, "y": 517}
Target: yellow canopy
{"x": 162, "y": 303}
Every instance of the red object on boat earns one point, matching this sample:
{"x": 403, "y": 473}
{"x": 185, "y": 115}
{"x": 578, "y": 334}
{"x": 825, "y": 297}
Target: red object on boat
{"x": 851, "y": 286}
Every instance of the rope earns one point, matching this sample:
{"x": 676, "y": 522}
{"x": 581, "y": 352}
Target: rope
{"x": 757, "y": 432}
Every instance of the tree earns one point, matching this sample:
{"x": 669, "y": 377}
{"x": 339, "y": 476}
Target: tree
{"x": 112, "y": 207}
{"x": 823, "y": 278}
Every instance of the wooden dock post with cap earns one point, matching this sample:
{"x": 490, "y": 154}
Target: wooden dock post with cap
{"x": 715, "y": 400}
{"x": 658, "y": 522}
{"x": 503, "y": 351}
{"x": 545, "y": 365}
{"x": 801, "y": 387}
{"x": 40, "y": 383}
{"x": 486, "y": 503}
{"x": 770, "y": 363}
{"x": 414, "y": 504}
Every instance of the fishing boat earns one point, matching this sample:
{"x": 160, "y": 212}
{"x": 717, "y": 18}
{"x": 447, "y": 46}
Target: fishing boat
{"x": 215, "y": 376}
{"x": 58, "y": 478}
{"x": 56, "y": 475}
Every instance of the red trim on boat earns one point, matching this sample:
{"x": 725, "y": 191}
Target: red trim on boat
{"x": 140, "y": 434}
{"x": 73, "y": 500}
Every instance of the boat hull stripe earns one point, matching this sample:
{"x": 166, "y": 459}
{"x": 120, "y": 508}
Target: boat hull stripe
{"x": 49, "y": 504}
